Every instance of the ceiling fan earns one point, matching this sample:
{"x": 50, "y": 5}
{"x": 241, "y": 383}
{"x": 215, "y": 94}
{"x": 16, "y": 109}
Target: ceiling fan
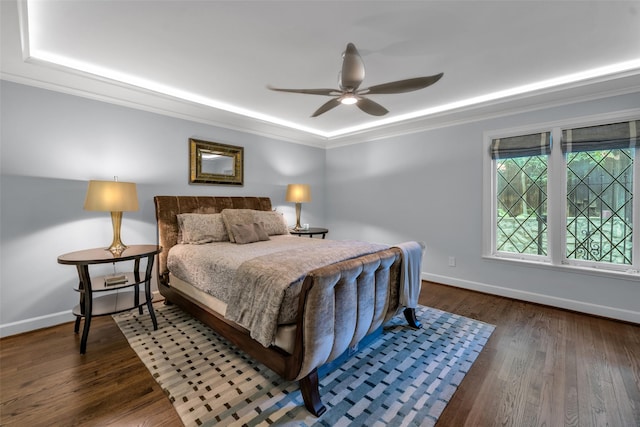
{"x": 349, "y": 80}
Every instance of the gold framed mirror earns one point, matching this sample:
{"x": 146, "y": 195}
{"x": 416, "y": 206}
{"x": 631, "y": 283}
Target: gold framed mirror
{"x": 214, "y": 163}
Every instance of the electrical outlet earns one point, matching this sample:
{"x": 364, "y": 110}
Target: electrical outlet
{"x": 452, "y": 261}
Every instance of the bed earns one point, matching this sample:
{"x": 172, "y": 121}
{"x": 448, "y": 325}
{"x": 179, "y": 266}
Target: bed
{"x": 330, "y": 305}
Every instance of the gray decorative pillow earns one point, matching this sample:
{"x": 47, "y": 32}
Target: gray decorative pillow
{"x": 201, "y": 228}
{"x": 248, "y": 233}
{"x": 259, "y": 228}
{"x": 244, "y": 233}
{"x": 236, "y": 216}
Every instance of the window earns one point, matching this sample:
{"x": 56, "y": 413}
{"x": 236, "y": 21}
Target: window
{"x": 567, "y": 203}
{"x": 599, "y": 214}
{"x": 521, "y": 193}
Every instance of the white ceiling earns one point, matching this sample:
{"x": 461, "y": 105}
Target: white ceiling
{"x": 211, "y": 61}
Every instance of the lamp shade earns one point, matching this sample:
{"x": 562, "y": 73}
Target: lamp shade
{"x": 111, "y": 196}
{"x": 298, "y": 193}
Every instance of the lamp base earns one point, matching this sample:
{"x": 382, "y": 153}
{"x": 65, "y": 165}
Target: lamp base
{"x": 298, "y": 210}
{"x": 117, "y": 247}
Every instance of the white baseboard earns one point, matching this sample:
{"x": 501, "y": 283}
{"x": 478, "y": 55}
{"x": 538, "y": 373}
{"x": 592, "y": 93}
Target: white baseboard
{"x": 54, "y": 319}
{"x": 45, "y": 321}
{"x": 580, "y": 306}
{"x": 34, "y": 323}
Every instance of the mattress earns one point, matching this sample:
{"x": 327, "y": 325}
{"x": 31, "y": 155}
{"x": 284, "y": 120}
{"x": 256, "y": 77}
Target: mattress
{"x": 285, "y": 334}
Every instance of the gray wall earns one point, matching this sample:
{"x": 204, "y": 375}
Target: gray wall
{"x": 425, "y": 186}
{"x": 52, "y": 144}
{"x": 428, "y": 187}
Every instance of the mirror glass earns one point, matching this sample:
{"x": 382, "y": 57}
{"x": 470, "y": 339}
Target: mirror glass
{"x": 217, "y": 164}
{"x": 214, "y": 163}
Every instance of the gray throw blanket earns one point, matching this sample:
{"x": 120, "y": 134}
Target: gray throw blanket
{"x": 260, "y": 283}
{"x": 411, "y": 272}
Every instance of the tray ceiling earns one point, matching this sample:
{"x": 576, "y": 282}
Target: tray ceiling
{"x": 211, "y": 61}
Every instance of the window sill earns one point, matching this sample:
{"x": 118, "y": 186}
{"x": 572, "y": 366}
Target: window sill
{"x": 590, "y": 271}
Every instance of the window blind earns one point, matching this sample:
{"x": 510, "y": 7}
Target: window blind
{"x": 602, "y": 137}
{"x": 536, "y": 144}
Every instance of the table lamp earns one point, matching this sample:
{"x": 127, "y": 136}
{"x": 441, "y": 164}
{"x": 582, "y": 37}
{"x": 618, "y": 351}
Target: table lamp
{"x": 298, "y": 193}
{"x": 115, "y": 197}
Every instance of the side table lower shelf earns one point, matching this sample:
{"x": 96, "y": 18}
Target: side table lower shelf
{"x": 111, "y": 304}
{"x": 114, "y": 303}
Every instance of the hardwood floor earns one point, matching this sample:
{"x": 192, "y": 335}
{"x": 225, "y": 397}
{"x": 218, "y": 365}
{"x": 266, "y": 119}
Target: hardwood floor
{"x": 541, "y": 367}
{"x": 44, "y": 381}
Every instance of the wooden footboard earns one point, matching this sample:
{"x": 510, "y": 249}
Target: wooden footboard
{"x": 344, "y": 302}
{"x": 341, "y": 304}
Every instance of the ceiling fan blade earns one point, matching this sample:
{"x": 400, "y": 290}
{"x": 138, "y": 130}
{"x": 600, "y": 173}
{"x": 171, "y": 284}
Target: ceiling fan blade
{"x": 370, "y": 107}
{"x": 352, "y": 72}
{"x": 402, "y": 86}
{"x": 332, "y": 103}
{"x": 327, "y": 92}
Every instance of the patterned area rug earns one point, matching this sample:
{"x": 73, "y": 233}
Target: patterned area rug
{"x": 405, "y": 377}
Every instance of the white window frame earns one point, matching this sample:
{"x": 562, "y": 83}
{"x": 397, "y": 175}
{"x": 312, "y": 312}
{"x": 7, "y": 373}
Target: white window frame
{"x": 556, "y": 200}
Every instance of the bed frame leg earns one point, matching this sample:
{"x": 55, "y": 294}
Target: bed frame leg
{"x": 311, "y": 394}
{"x": 410, "y": 315}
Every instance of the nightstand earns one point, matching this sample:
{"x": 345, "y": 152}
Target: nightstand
{"x": 310, "y": 232}
{"x": 92, "y": 304}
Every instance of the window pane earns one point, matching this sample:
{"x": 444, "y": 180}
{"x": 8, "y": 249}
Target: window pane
{"x": 521, "y": 222}
{"x": 599, "y": 206}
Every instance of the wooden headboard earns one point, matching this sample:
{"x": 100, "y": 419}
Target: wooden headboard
{"x": 167, "y": 207}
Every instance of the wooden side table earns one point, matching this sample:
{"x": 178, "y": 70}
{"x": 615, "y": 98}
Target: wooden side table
{"x": 310, "y": 232}
{"x": 111, "y": 303}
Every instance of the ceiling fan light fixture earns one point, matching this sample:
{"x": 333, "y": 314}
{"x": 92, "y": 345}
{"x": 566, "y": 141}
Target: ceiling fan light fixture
{"x": 348, "y": 99}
